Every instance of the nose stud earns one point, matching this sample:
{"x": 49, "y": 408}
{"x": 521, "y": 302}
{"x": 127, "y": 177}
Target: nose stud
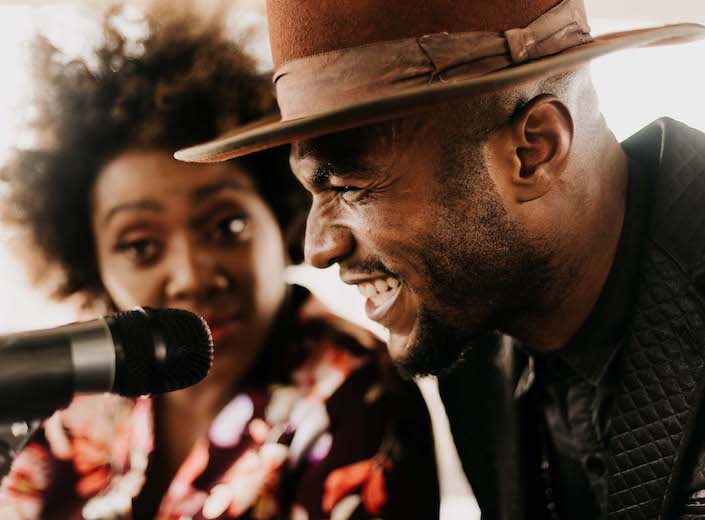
{"x": 221, "y": 282}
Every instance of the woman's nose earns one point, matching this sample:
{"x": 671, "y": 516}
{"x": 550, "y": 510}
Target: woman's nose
{"x": 192, "y": 272}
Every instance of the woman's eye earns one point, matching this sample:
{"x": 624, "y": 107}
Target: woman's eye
{"x": 231, "y": 228}
{"x": 140, "y": 251}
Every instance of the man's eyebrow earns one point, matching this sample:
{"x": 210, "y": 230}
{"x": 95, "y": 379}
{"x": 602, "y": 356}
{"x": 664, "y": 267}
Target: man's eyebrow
{"x": 321, "y": 176}
{"x": 148, "y": 205}
{"x": 353, "y": 170}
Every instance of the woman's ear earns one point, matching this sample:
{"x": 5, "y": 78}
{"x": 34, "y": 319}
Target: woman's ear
{"x": 537, "y": 143}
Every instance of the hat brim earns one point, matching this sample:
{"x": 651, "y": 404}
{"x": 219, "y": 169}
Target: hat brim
{"x": 268, "y": 133}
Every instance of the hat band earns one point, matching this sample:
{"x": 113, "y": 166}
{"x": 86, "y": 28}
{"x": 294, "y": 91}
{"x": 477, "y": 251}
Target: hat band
{"x": 322, "y": 82}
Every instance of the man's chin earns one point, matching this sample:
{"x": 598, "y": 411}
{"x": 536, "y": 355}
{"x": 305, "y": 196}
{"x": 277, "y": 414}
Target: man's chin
{"x": 430, "y": 349}
{"x": 399, "y": 345}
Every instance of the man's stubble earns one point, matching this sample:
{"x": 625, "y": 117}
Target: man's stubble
{"x": 481, "y": 270}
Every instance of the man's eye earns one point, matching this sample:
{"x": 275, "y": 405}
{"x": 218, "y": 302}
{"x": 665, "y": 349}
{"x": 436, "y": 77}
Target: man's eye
{"x": 345, "y": 189}
{"x": 140, "y": 251}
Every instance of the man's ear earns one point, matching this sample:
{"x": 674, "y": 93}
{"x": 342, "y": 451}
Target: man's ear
{"x": 537, "y": 142}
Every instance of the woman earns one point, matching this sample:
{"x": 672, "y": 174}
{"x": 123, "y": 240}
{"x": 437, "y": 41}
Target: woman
{"x": 302, "y": 416}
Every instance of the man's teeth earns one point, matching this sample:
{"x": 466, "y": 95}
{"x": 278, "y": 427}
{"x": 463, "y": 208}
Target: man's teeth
{"x": 381, "y": 285}
{"x": 380, "y": 290}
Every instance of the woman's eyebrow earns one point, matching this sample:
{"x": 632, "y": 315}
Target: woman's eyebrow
{"x": 149, "y": 205}
{"x": 204, "y": 192}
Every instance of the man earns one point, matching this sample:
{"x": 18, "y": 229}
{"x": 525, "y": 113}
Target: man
{"x": 464, "y": 179}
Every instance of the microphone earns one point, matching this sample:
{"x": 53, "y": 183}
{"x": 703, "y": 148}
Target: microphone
{"x": 144, "y": 351}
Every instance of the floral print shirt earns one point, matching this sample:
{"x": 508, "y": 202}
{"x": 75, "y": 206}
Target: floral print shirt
{"x": 339, "y": 437}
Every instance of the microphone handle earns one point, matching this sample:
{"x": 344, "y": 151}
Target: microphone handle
{"x": 40, "y": 371}
{"x": 36, "y": 377}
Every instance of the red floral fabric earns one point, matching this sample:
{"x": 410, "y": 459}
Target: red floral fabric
{"x": 341, "y": 438}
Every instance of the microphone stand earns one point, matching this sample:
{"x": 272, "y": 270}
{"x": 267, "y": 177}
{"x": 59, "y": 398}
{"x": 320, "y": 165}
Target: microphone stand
{"x": 13, "y": 438}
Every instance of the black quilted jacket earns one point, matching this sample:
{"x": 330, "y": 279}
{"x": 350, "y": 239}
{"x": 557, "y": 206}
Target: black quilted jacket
{"x": 656, "y": 424}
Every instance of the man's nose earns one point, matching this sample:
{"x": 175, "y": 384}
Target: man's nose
{"x": 326, "y": 243}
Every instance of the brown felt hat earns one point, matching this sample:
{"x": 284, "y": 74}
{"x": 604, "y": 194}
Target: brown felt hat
{"x": 341, "y": 64}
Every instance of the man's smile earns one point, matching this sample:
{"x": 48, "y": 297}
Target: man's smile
{"x": 390, "y": 303}
{"x": 382, "y": 295}
{"x": 379, "y": 290}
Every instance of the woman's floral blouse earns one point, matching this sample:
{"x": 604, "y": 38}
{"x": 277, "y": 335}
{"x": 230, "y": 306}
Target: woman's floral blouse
{"x": 330, "y": 432}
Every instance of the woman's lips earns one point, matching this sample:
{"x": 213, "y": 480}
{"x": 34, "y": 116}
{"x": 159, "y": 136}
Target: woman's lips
{"x": 221, "y": 327}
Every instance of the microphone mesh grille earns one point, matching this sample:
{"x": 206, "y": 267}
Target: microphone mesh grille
{"x": 164, "y": 350}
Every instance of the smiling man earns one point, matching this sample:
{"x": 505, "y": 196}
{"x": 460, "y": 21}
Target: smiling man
{"x": 452, "y": 223}
{"x": 464, "y": 179}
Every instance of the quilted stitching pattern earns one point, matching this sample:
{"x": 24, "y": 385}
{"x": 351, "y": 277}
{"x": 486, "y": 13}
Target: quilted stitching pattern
{"x": 654, "y": 398}
{"x": 697, "y": 481}
{"x": 665, "y": 355}
{"x": 681, "y": 214}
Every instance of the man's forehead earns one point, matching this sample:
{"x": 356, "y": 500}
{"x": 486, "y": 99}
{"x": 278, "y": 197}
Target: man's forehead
{"x": 356, "y": 141}
{"x": 316, "y": 169}
{"x": 360, "y": 149}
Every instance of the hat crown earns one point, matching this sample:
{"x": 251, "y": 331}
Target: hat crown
{"x": 300, "y": 28}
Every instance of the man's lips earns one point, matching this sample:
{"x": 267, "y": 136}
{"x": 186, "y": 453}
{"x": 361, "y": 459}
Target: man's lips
{"x": 397, "y": 312}
{"x": 380, "y": 305}
{"x": 388, "y": 301}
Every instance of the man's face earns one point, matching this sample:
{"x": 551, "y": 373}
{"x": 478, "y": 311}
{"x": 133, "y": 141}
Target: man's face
{"x": 411, "y": 213}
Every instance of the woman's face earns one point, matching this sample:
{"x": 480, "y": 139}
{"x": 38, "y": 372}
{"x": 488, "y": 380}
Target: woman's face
{"x": 191, "y": 236}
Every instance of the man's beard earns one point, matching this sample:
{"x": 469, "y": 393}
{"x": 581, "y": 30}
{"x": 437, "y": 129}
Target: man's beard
{"x": 482, "y": 273}
{"x": 437, "y": 349}
{"x": 470, "y": 305}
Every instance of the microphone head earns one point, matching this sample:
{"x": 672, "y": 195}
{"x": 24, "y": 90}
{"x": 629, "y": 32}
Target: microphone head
{"x": 160, "y": 350}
